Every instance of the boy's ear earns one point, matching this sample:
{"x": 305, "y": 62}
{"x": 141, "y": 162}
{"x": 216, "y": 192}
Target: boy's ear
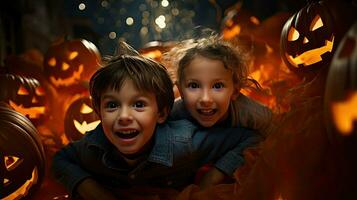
{"x": 236, "y": 92}
{"x": 162, "y": 116}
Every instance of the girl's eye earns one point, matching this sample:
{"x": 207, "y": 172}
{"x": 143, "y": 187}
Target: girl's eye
{"x": 139, "y": 104}
{"x": 192, "y": 85}
{"x": 218, "y": 85}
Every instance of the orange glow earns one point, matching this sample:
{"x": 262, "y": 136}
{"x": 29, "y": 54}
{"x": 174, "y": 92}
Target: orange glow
{"x": 344, "y": 113}
{"x": 11, "y": 162}
{"x": 254, "y": 20}
{"x": 312, "y": 56}
{"x": 73, "y": 55}
{"x": 232, "y": 32}
{"x": 40, "y": 91}
{"x": 22, "y": 91}
{"x": 155, "y": 54}
{"x": 52, "y": 62}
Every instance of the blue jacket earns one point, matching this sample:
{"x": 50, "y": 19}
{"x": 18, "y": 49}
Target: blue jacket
{"x": 179, "y": 149}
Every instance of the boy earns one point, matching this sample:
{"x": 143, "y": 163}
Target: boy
{"x": 135, "y": 145}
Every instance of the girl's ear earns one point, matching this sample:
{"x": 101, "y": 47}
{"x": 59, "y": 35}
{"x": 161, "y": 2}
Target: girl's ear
{"x": 236, "y": 92}
{"x": 179, "y": 89}
{"x": 162, "y": 116}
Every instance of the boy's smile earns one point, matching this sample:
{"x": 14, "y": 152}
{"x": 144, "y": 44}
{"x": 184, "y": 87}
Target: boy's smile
{"x": 129, "y": 117}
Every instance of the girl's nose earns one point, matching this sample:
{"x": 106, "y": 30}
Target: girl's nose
{"x": 206, "y": 98}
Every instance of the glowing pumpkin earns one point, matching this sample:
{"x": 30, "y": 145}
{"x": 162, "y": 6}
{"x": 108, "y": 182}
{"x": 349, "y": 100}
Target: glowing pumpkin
{"x": 70, "y": 62}
{"x": 309, "y": 37}
{"x": 26, "y": 95}
{"x": 341, "y": 87}
{"x": 155, "y": 49}
{"x": 80, "y": 118}
{"x": 22, "y": 158}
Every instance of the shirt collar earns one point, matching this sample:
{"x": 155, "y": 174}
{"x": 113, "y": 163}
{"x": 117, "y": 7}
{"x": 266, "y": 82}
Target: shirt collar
{"x": 161, "y": 153}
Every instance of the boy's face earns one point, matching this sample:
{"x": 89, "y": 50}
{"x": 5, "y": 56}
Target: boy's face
{"x": 129, "y": 117}
{"x": 207, "y": 89}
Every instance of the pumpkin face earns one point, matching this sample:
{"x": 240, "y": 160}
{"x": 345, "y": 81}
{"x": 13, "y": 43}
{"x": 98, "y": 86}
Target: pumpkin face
{"x": 80, "y": 118}
{"x": 309, "y": 37}
{"x": 69, "y": 62}
{"x": 341, "y": 88}
{"x": 25, "y": 95}
{"x": 22, "y": 158}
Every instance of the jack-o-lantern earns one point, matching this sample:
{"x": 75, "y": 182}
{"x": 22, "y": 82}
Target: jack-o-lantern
{"x": 310, "y": 36}
{"x": 26, "y": 95}
{"x": 341, "y": 112}
{"x": 70, "y": 62}
{"x": 341, "y": 88}
{"x": 22, "y": 158}
{"x": 80, "y": 118}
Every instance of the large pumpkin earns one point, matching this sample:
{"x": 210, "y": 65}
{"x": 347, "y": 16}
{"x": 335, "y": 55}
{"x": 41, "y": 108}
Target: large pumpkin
{"x": 341, "y": 89}
{"x": 22, "y": 158}
{"x": 26, "y": 95}
{"x": 341, "y": 112}
{"x": 309, "y": 37}
{"x": 69, "y": 62}
{"x": 80, "y": 118}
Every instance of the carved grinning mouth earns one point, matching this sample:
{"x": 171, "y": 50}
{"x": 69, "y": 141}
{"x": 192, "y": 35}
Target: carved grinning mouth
{"x": 312, "y": 56}
{"x": 32, "y": 112}
{"x": 68, "y": 81}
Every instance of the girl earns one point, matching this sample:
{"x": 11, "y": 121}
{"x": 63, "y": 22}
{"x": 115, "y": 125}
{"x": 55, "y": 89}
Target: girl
{"x": 210, "y": 74}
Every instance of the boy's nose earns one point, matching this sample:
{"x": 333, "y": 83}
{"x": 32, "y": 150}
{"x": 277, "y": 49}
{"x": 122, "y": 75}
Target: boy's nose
{"x": 125, "y": 116}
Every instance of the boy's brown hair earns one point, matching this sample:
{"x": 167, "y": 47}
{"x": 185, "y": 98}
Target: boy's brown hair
{"x": 146, "y": 74}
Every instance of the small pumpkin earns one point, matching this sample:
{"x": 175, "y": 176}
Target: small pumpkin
{"x": 310, "y": 36}
{"x": 80, "y": 118}
{"x": 26, "y": 95}
{"x": 22, "y": 157}
{"x": 69, "y": 62}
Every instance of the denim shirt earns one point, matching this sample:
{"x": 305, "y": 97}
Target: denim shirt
{"x": 179, "y": 149}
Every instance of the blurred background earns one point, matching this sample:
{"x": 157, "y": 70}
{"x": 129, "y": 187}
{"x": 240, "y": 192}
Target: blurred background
{"x": 27, "y": 24}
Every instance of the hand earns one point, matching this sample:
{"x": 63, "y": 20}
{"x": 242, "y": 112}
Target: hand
{"x": 89, "y": 189}
{"x": 212, "y": 177}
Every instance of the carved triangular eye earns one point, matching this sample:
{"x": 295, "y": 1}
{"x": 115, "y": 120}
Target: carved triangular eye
{"x": 11, "y": 162}
{"x": 85, "y": 109}
{"x": 73, "y": 55}
{"x": 22, "y": 91}
{"x": 40, "y": 91}
{"x": 52, "y": 62}
{"x": 316, "y": 23}
{"x": 293, "y": 34}
{"x": 65, "y": 66}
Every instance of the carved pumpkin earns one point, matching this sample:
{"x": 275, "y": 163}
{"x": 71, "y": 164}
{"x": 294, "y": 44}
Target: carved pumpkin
{"x": 80, "y": 118}
{"x": 341, "y": 112}
{"x": 22, "y": 158}
{"x": 26, "y": 95}
{"x": 341, "y": 88}
{"x": 70, "y": 62}
{"x": 309, "y": 37}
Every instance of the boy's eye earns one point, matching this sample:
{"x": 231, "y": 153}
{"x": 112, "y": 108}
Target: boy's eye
{"x": 218, "y": 85}
{"x": 192, "y": 85}
{"x": 139, "y": 104}
{"x": 111, "y": 105}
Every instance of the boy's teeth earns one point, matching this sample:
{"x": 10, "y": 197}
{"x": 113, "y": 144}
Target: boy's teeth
{"x": 128, "y": 132}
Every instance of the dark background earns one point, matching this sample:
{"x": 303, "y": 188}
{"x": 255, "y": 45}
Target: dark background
{"x": 34, "y": 24}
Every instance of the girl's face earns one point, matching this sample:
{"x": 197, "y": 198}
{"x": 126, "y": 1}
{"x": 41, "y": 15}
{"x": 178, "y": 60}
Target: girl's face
{"x": 207, "y": 88}
{"x": 129, "y": 117}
